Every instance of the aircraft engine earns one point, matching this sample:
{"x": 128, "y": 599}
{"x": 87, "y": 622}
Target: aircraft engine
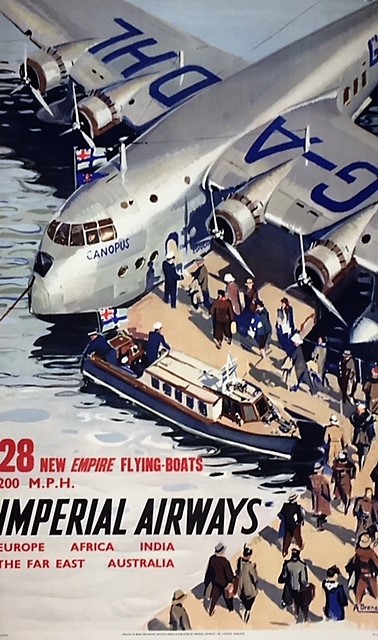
{"x": 238, "y": 218}
{"x": 47, "y": 69}
{"x": 334, "y": 252}
{"x": 324, "y": 262}
{"x": 103, "y": 110}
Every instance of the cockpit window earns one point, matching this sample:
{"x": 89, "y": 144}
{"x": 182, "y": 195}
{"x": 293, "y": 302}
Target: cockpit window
{"x": 78, "y": 235}
{"x": 52, "y": 228}
{"x": 61, "y": 236}
{"x": 92, "y": 236}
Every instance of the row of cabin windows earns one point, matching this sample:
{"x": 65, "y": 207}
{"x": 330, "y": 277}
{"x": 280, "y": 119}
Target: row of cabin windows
{"x": 170, "y": 391}
{"x": 78, "y": 235}
{"x": 355, "y": 88}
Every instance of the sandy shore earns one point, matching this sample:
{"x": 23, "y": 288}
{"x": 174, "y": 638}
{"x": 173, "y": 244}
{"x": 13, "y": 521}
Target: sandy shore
{"x": 189, "y": 331}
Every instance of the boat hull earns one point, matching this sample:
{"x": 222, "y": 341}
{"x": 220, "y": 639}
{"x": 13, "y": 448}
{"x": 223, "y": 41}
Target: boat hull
{"x": 278, "y": 445}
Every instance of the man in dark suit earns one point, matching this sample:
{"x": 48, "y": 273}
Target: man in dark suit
{"x": 155, "y": 343}
{"x": 219, "y": 574}
{"x": 222, "y": 314}
{"x": 99, "y": 344}
{"x": 171, "y": 278}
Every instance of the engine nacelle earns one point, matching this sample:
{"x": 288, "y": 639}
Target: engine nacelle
{"x": 50, "y": 68}
{"x": 238, "y": 218}
{"x": 45, "y": 70}
{"x": 324, "y": 262}
{"x": 103, "y": 110}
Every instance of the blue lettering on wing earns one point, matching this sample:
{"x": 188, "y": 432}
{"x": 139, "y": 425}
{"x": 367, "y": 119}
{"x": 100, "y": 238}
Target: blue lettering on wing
{"x": 143, "y": 59}
{"x": 206, "y": 79}
{"x": 346, "y": 174}
{"x": 200, "y": 77}
{"x": 130, "y": 32}
{"x": 373, "y": 50}
{"x": 291, "y": 140}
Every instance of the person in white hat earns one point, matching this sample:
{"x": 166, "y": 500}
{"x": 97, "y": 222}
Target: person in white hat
{"x": 178, "y": 616}
{"x": 334, "y": 438}
{"x": 366, "y": 561}
{"x": 171, "y": 278}
{"x": 234, "y": 294}
{"x": 156, "y": 342}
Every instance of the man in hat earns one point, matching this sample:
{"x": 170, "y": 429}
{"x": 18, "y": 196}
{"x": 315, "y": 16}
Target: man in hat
{"x": 364, "y": 565}
{"x": 99, "y": 344}
{"x": 292, "y": 520}
{"x": 233, "y": 293}
{"x": 155, "y": 343}
{"x": 347, "y": 377}
{"x": 363, "y": 431}
{"x": 343, "y": 472}
{"x": 300, "y": 365}
{"x": 294, "y": 576}
{"x": 365, "y": 510}
{"x": 222, "y": 314}
{"x": 171, "y": 278}
{"x": 261, "y": 327}
{"x": 250, "y": 295}
{"x": 178, "y": 616}
{"x": 219, "y": 574}
{"x": 321, "y": 496}
{"x": 246, "y": 572}
{"x": 319, "y": 357}
{"x": 370, "y": 389}
{"x": 333, "y": 438}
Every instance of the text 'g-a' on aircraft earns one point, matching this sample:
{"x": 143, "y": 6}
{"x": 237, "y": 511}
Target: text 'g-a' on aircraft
{"x": 274, "y": 141}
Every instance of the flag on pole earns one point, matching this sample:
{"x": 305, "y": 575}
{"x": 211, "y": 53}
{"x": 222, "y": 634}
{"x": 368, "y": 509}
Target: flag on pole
{"x": 87, "y": 164}
{"x": 229, "y": 370}
{"x": 112, "y": 318}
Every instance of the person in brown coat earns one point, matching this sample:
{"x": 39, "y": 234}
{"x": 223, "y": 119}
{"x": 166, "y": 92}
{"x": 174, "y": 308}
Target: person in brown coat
{"x": 334, "y": 438}
{"x": 343, "y": 472}
{"x": 250, "y": 295}
{"x": 370, "y": 390}
{"x": 234, "y": 294}
{"x": 321, "y": 496}
{"x": 364, "y": 566}
{"x": 347, "y": 377}
{"x": 366, "y": 511}
{"x": 219, "y": 574}
{"x": 222, "y": 313}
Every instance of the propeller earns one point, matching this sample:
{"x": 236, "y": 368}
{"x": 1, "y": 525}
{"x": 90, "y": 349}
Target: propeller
{"x": 26, "y": 81}
{"x": 305, "y": 280}
{"x": 218, "y": 234}
{"x": 76, "y": 125}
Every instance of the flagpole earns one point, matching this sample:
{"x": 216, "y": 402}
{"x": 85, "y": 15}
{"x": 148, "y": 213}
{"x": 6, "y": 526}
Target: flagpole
{"x": 74, "y": 167}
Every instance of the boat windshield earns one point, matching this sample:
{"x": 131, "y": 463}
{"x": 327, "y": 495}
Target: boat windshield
{"x": 79, "y": 235}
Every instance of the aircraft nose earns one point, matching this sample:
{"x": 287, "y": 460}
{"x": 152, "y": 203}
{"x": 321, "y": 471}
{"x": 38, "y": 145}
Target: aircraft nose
{"x": 42, "y": 302}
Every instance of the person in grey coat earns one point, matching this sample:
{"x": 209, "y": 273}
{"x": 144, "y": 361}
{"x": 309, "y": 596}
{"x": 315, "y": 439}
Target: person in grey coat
{"x": 300, "y": 365}
{"x": 178, "y": 616}
{"x": 246, "y": 573}
{"x": 294, "y": 576}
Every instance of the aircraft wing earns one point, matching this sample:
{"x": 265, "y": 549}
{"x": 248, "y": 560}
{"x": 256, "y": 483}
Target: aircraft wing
{"x": 333, "y": 180}
{"x": 121, "y": 45}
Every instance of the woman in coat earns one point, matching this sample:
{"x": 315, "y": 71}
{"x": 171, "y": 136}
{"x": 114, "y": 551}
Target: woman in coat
{"x": 335, "y": 597}
{"x": 285, "y": 326}
{"x": 321, "y": 496}
{"x": 246, "y": 573}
